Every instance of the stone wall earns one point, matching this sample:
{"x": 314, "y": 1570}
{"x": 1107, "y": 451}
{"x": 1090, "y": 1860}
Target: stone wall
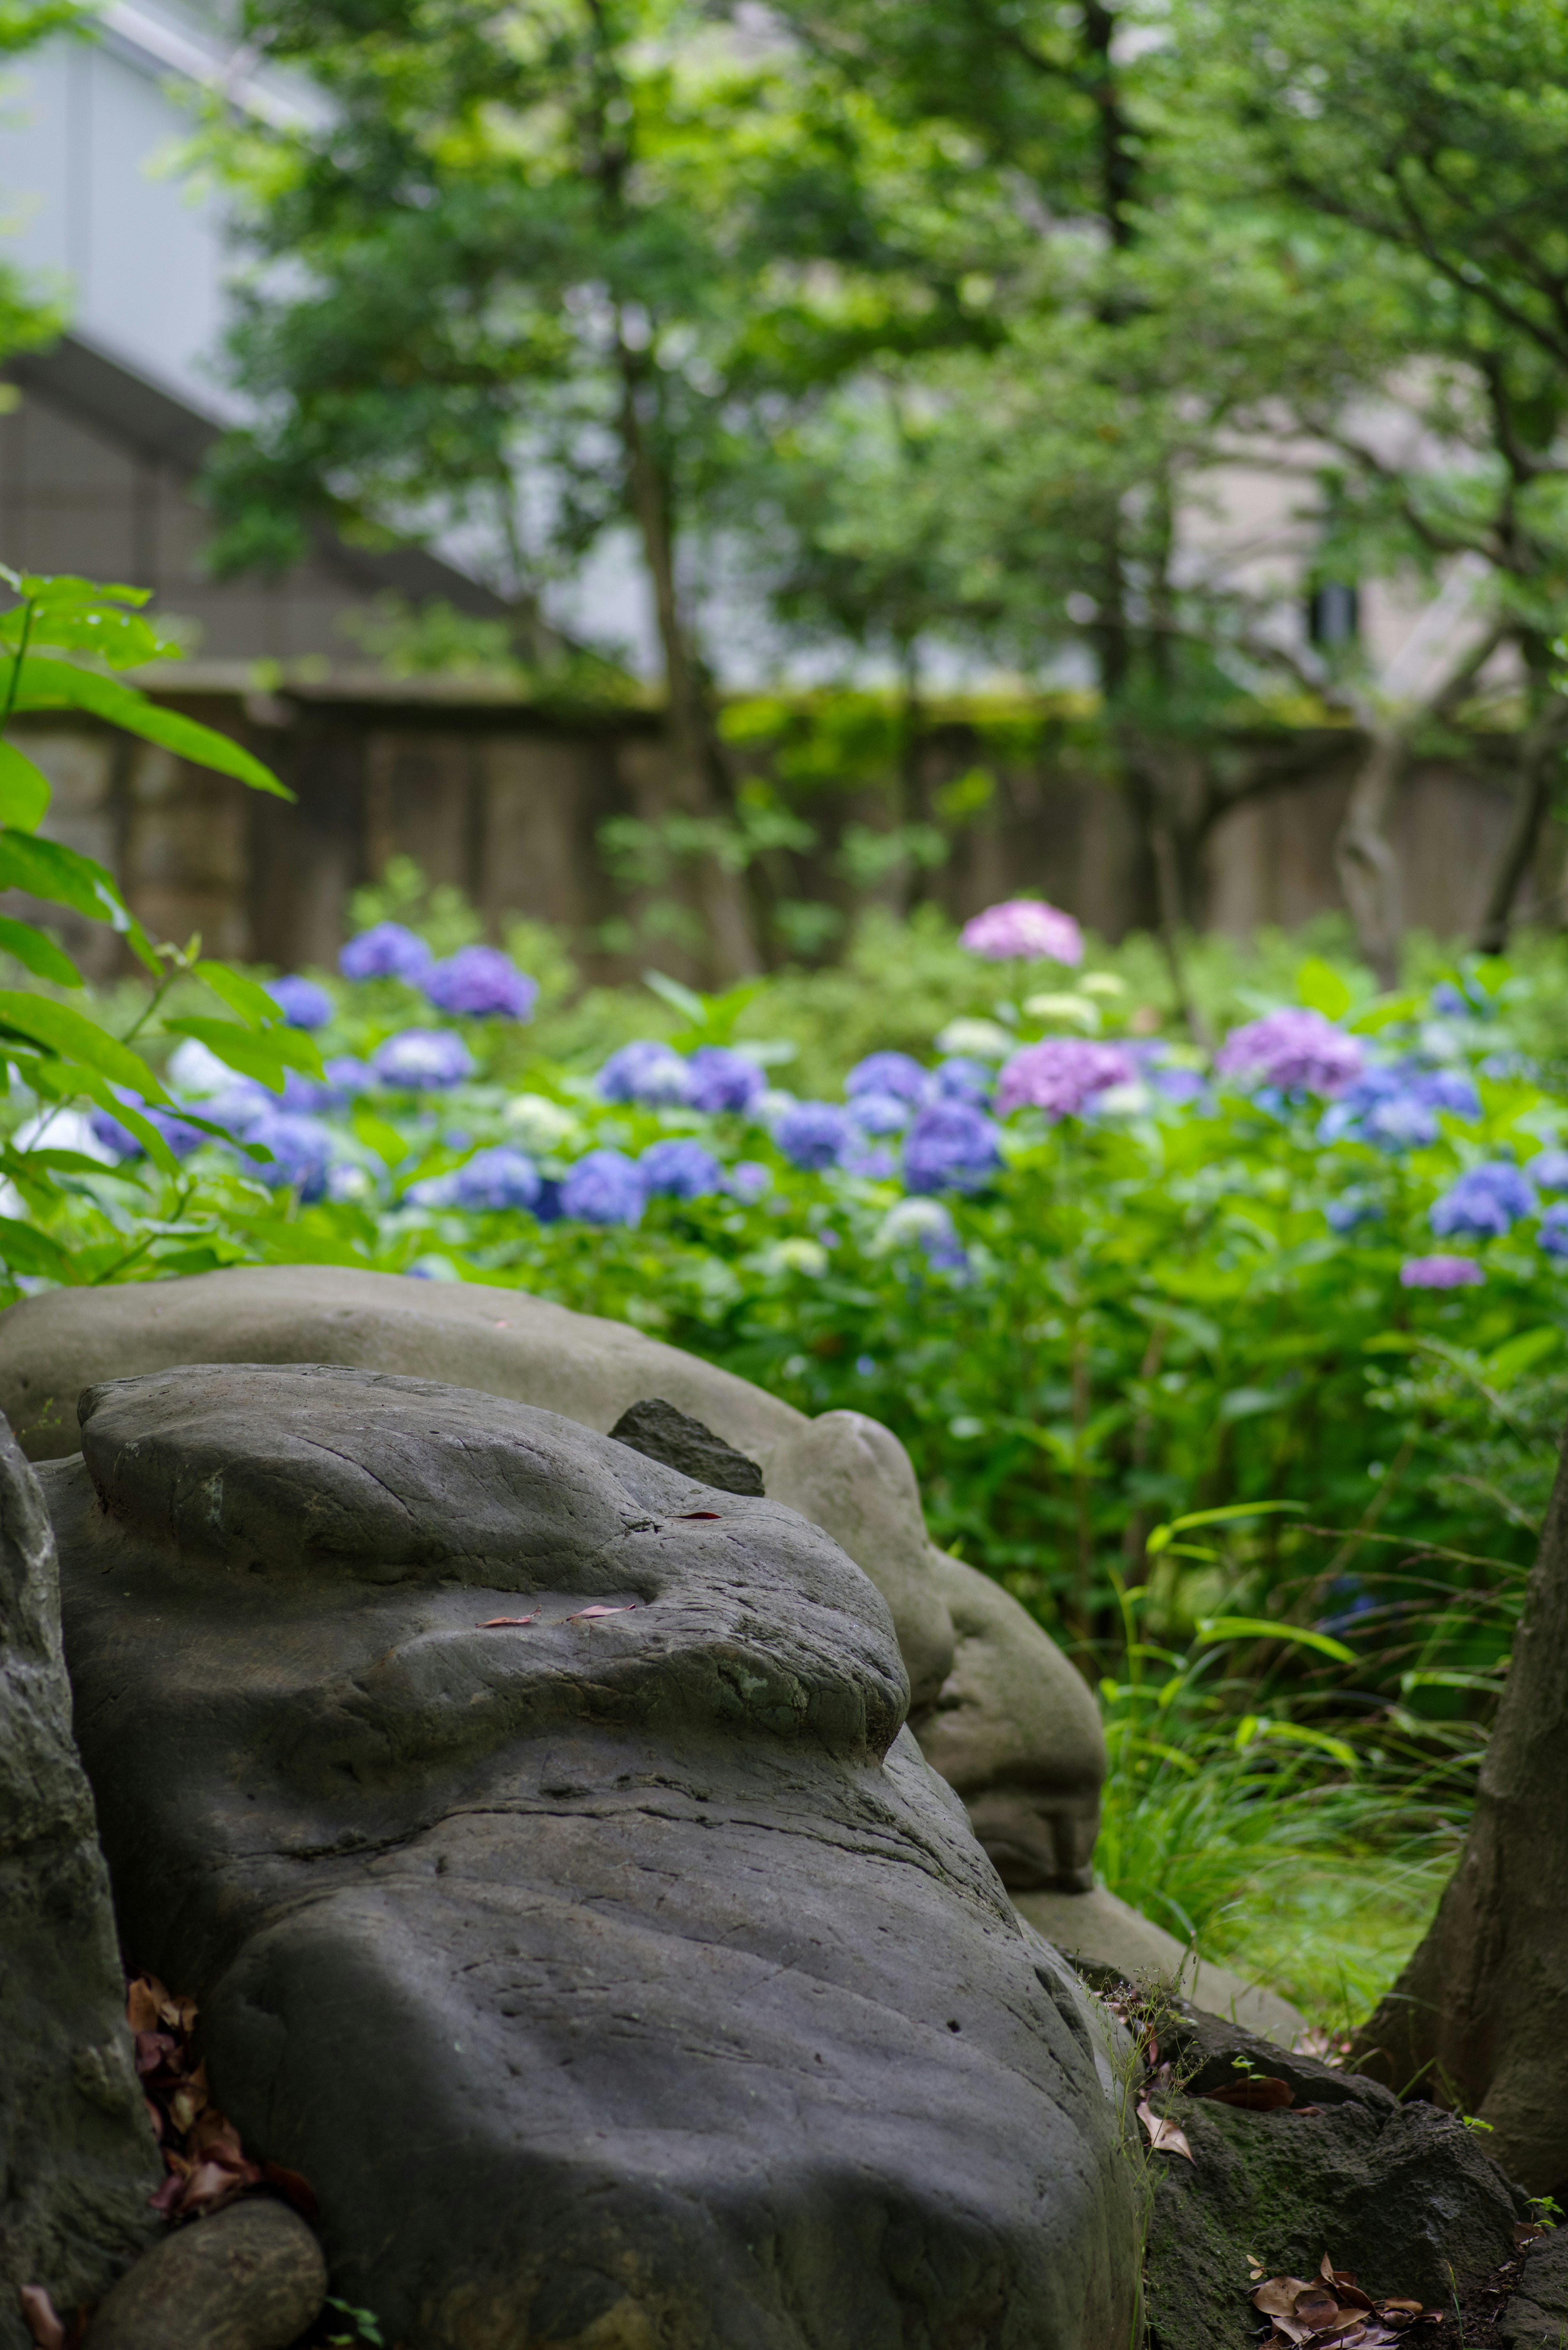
{"x": 506, "y": 801}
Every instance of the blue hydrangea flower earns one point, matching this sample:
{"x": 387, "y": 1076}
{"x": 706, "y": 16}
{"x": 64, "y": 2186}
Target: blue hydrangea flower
{"x": 926, "y": 1224}
{"x": 493, "y": 1179}
{"x": 603, "y": 1188}
{"x": 949, "y": 1148}
{"x": 1448, "y": 1003}
{"x": 718, "y": 1079}
{"x": 898, "y": 1074}
{"x": 1484, "y": 1202}
{"x": 182, "y": 1138}
{"x": 880, "y": 1113}
{"x": 681, "y": 1169}
{"x": 423, "y": 1060}
{"x": 1548, "y": 1171}
{"x": 961, "y": 1077}
{"x": 1397, "y": 1105}
{"x": 301, "y": 1154}
{"x": 302, "y": 1003}
{"x": 749, "y": 1179}
{"x": 483, "y": 983}
{"x": 1553, "y": 1233}
{"x": 814, "y": 1134}
{"x": 1353, "y": 1209}
{"x": 388, "y": 951}
{"x": 645, "y": 1072}
{"x": 873, "y": 1161}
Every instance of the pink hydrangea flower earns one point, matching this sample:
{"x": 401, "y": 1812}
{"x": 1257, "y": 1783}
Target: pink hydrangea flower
{"x": 1296, "y": 1050}
{"x": 1023, "y": 929}
{"x": 1439, "y": 1272}
{"x": 1061, "y": 1075}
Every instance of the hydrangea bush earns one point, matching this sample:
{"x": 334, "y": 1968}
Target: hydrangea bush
{"x": 1094, "y": 1277}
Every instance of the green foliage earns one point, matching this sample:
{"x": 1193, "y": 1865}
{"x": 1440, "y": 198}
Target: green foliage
{"x": 54, "y": 1052}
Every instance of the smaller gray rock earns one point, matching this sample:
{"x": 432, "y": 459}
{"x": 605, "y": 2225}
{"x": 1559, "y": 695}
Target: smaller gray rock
{"x": 1402, "y": 2195}
{"x": 251, "y": 2277}
{"x": 1536, "y": 2314}
{"x": 659, "y": 1432}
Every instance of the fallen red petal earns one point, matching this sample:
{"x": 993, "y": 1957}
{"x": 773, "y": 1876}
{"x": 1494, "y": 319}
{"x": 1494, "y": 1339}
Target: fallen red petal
{"x": 584, "y": 1612}
{"x": 492, "y": 1623}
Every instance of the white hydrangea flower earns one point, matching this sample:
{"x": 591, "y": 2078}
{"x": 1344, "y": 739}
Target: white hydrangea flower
{"x": 980, "y": 1040}
{"x": 543, "y": 1126}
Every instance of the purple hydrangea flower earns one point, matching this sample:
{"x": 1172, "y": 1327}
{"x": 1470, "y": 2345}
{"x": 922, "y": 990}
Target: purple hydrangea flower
{"x": 896, "y": 1073}
{"x": 1295, "y": 1050}
{"x": 1062, "y": 1075}
{"x": 423, "y": 1060}
{"x": 681, "y": 1169}
{"x": 814, "y": 1134}
{"x": 388, "y": 951}
{"x": 749, "y": 1179}
{"x": 880, "y": 1113}
{"x": 1553, "y": 1234}
{"x": 1182, "y": 1086}
{"x": 494, "y": 1180}
{"x": 645, "y": 1072}
{"x": 1439, "y": 1272}
{"x": 603, "y": 1188}
{"x": 483, "y": 983}
{"x": 1548, "y": 1171}
{"x": 718, "y": 1079}
{"x": 1448, "y": 1003}
{"x": 181, "y": 1137}
{"x": 301, "y": 1153}
{"x": 952, "y": 1147}
{"x": 1025, "y": 929}
{"x": 302, "y": 1003}
{"x": 1484, "y": 1202}
{"x": 963, "y": 1079}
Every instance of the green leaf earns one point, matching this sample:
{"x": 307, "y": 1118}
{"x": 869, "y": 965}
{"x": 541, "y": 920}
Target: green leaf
{"x": 79, "y": 1040}
{"x": 1258, "y": 1627}
{"x": 1161, "y": 1536}
{"x": 47, "y": 868}
{"x": 1322, "y": 989}
{"x": 133, "y": 1121}
{"x": 684, "y": 1000}
{"x": 59, "y": 685}
{"x": 255, "y": 1007}
{"x": 27, "y": 1166}
{"x": 1516, "y": 1355}
{"x": 264, "y": 1056}
{"x": 378, "y": 1134}
{"x": 1385, "y": 1012}
{"x": 25, "y": 790}
{"x": 37, "y": 952}
{"x": 26, "y": 1250}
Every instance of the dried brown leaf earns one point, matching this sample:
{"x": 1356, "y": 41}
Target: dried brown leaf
{"x": 1164, "y": 2137}
{"x": 142, "y": 2004}
{"x": 1317, "y": 2308}
{"x": 1277, "y": 2295}
{"x": 295, "y": 2189}
{"x": 41, "y": 2319}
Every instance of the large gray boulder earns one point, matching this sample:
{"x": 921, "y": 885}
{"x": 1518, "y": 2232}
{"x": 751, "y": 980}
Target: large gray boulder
{"x": 620, "y": 1976}
{"x": 78, "y": 2160}
{"x": 998, "y": 1708}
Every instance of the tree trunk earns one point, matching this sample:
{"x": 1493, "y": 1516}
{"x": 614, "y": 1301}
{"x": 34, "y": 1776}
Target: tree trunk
{"x": 1368, "y": 868}
{"x": 1539, "y": 754}
{"x": 1478, "y": 2019}
{"x": 731, "y": 945}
